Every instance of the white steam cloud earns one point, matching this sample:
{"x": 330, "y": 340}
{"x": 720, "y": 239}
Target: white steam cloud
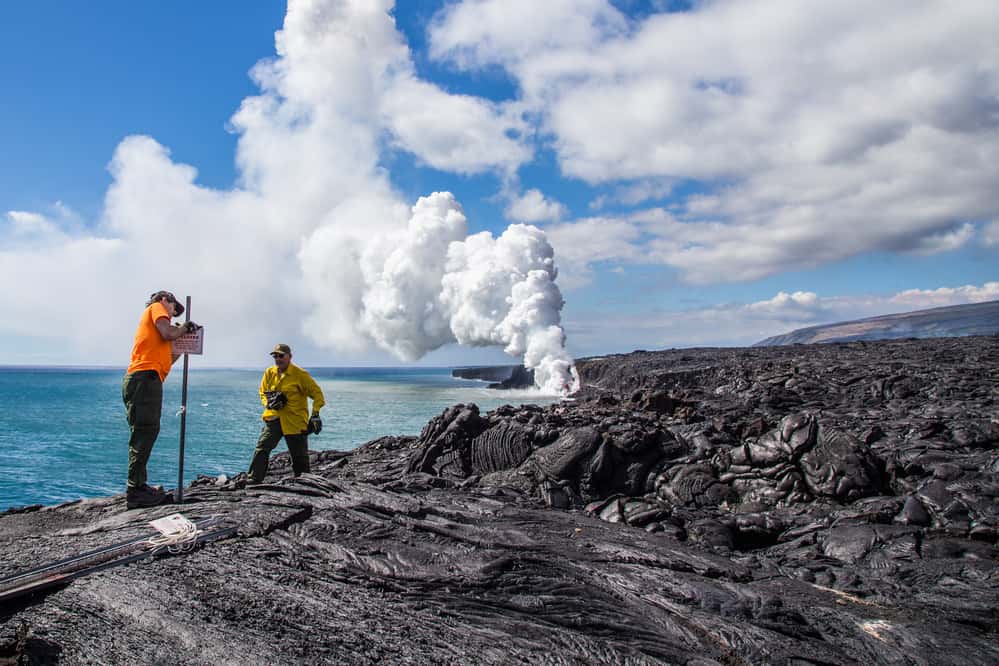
{"x": 430, "y": 284}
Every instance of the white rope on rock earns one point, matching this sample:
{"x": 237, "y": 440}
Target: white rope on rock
{"x": 177, "y": 533}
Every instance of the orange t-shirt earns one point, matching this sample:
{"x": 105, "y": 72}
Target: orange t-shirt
{"x": 150, "y": 351}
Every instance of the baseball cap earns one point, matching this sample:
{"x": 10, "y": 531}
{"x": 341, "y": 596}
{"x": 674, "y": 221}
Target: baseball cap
{"x": 281, "y": 349}
{"x": 170, "y": 297}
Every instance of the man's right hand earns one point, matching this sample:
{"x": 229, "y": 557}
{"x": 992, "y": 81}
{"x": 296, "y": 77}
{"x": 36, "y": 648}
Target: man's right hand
{"x": 190, "y": 327}
{"x": 275, "y": 399}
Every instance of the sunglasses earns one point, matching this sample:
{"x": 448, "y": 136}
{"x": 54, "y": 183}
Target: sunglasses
{"x": 278, "y": 355}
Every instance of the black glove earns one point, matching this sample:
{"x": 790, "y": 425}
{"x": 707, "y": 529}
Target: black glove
{"x": 190, "y": 326}
{"x": 275, "y": 399}
{"x": 315, "y": 425}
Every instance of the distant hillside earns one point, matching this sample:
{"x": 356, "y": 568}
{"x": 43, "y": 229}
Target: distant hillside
{"x": 951, "y": 321}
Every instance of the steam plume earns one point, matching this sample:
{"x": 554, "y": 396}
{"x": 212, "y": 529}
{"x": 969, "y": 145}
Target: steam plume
{"x": 430, "y": 284}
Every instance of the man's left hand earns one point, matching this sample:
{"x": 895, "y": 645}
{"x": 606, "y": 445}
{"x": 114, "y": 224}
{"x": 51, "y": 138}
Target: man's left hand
{"x": 315, "y": 425}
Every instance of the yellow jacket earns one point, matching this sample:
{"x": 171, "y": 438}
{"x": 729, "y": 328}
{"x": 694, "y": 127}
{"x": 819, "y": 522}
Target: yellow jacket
{"x": 299, "y": 386}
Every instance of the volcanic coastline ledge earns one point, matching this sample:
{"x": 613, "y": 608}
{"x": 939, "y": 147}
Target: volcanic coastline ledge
{"x": 819, "y": 504}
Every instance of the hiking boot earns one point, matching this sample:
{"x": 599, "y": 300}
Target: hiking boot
{"x": 146, "y": 496}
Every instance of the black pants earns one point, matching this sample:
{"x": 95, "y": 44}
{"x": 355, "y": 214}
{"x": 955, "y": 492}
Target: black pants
{"x": 142, "y": 393}
{"x": 270, "y": 435}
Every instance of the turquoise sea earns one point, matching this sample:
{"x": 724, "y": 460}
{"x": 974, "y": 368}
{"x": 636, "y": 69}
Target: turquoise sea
{"x": 63, "y": 434}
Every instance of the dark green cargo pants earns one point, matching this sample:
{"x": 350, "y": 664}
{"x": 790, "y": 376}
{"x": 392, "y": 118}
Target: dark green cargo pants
{"x": 142, "y": 393}
{"x": 270, "y": 435}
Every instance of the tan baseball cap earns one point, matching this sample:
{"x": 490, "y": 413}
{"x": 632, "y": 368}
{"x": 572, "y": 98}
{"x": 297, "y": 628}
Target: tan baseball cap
{"x": 179, "y": 307}
{"x": 281, "y": 349}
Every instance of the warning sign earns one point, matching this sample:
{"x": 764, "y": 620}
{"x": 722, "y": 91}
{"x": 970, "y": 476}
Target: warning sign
{"x": 190, "y": 343}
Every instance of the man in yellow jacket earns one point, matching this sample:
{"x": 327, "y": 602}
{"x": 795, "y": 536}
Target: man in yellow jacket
{"x": 285, "y": 390}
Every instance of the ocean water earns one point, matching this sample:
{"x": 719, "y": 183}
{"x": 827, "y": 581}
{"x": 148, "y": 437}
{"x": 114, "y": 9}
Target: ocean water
{"x": 63, "y": 434}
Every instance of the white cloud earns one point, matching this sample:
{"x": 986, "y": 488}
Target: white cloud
{"x": 634, "y": 193}
{"x": 33, "y": 227}
{"x": 819, "y": 134}
{"x": 943, "y": 241}
{"x": 25, "y": 224}
{"x": 799, "y": 303}
{"x": 533, "y": 206}
{"x": 639, "y": 192}
{"x": 599, "y": 202}
{"x": 477, "y": 33}
{"x": 61, "y": 291}
{"x": 584, "y": 242}
{"x": 453, "y": 132}
{"x": 918, "y": 299}
{"x": 59, "y": 282}
{"x": 990, "y": 234}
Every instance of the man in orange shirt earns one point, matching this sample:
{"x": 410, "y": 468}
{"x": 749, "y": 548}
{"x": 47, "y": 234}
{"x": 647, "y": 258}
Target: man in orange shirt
{"x": 142, "y": 391}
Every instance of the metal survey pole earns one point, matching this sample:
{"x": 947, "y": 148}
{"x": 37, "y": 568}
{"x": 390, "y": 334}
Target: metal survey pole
{"x": 179, "y": 494}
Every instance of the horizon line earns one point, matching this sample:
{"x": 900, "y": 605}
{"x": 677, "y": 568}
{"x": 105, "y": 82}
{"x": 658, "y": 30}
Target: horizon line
{"x": 73, "y": 366}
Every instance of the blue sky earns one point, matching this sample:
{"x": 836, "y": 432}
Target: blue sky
{"x": 705, "y": 173}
